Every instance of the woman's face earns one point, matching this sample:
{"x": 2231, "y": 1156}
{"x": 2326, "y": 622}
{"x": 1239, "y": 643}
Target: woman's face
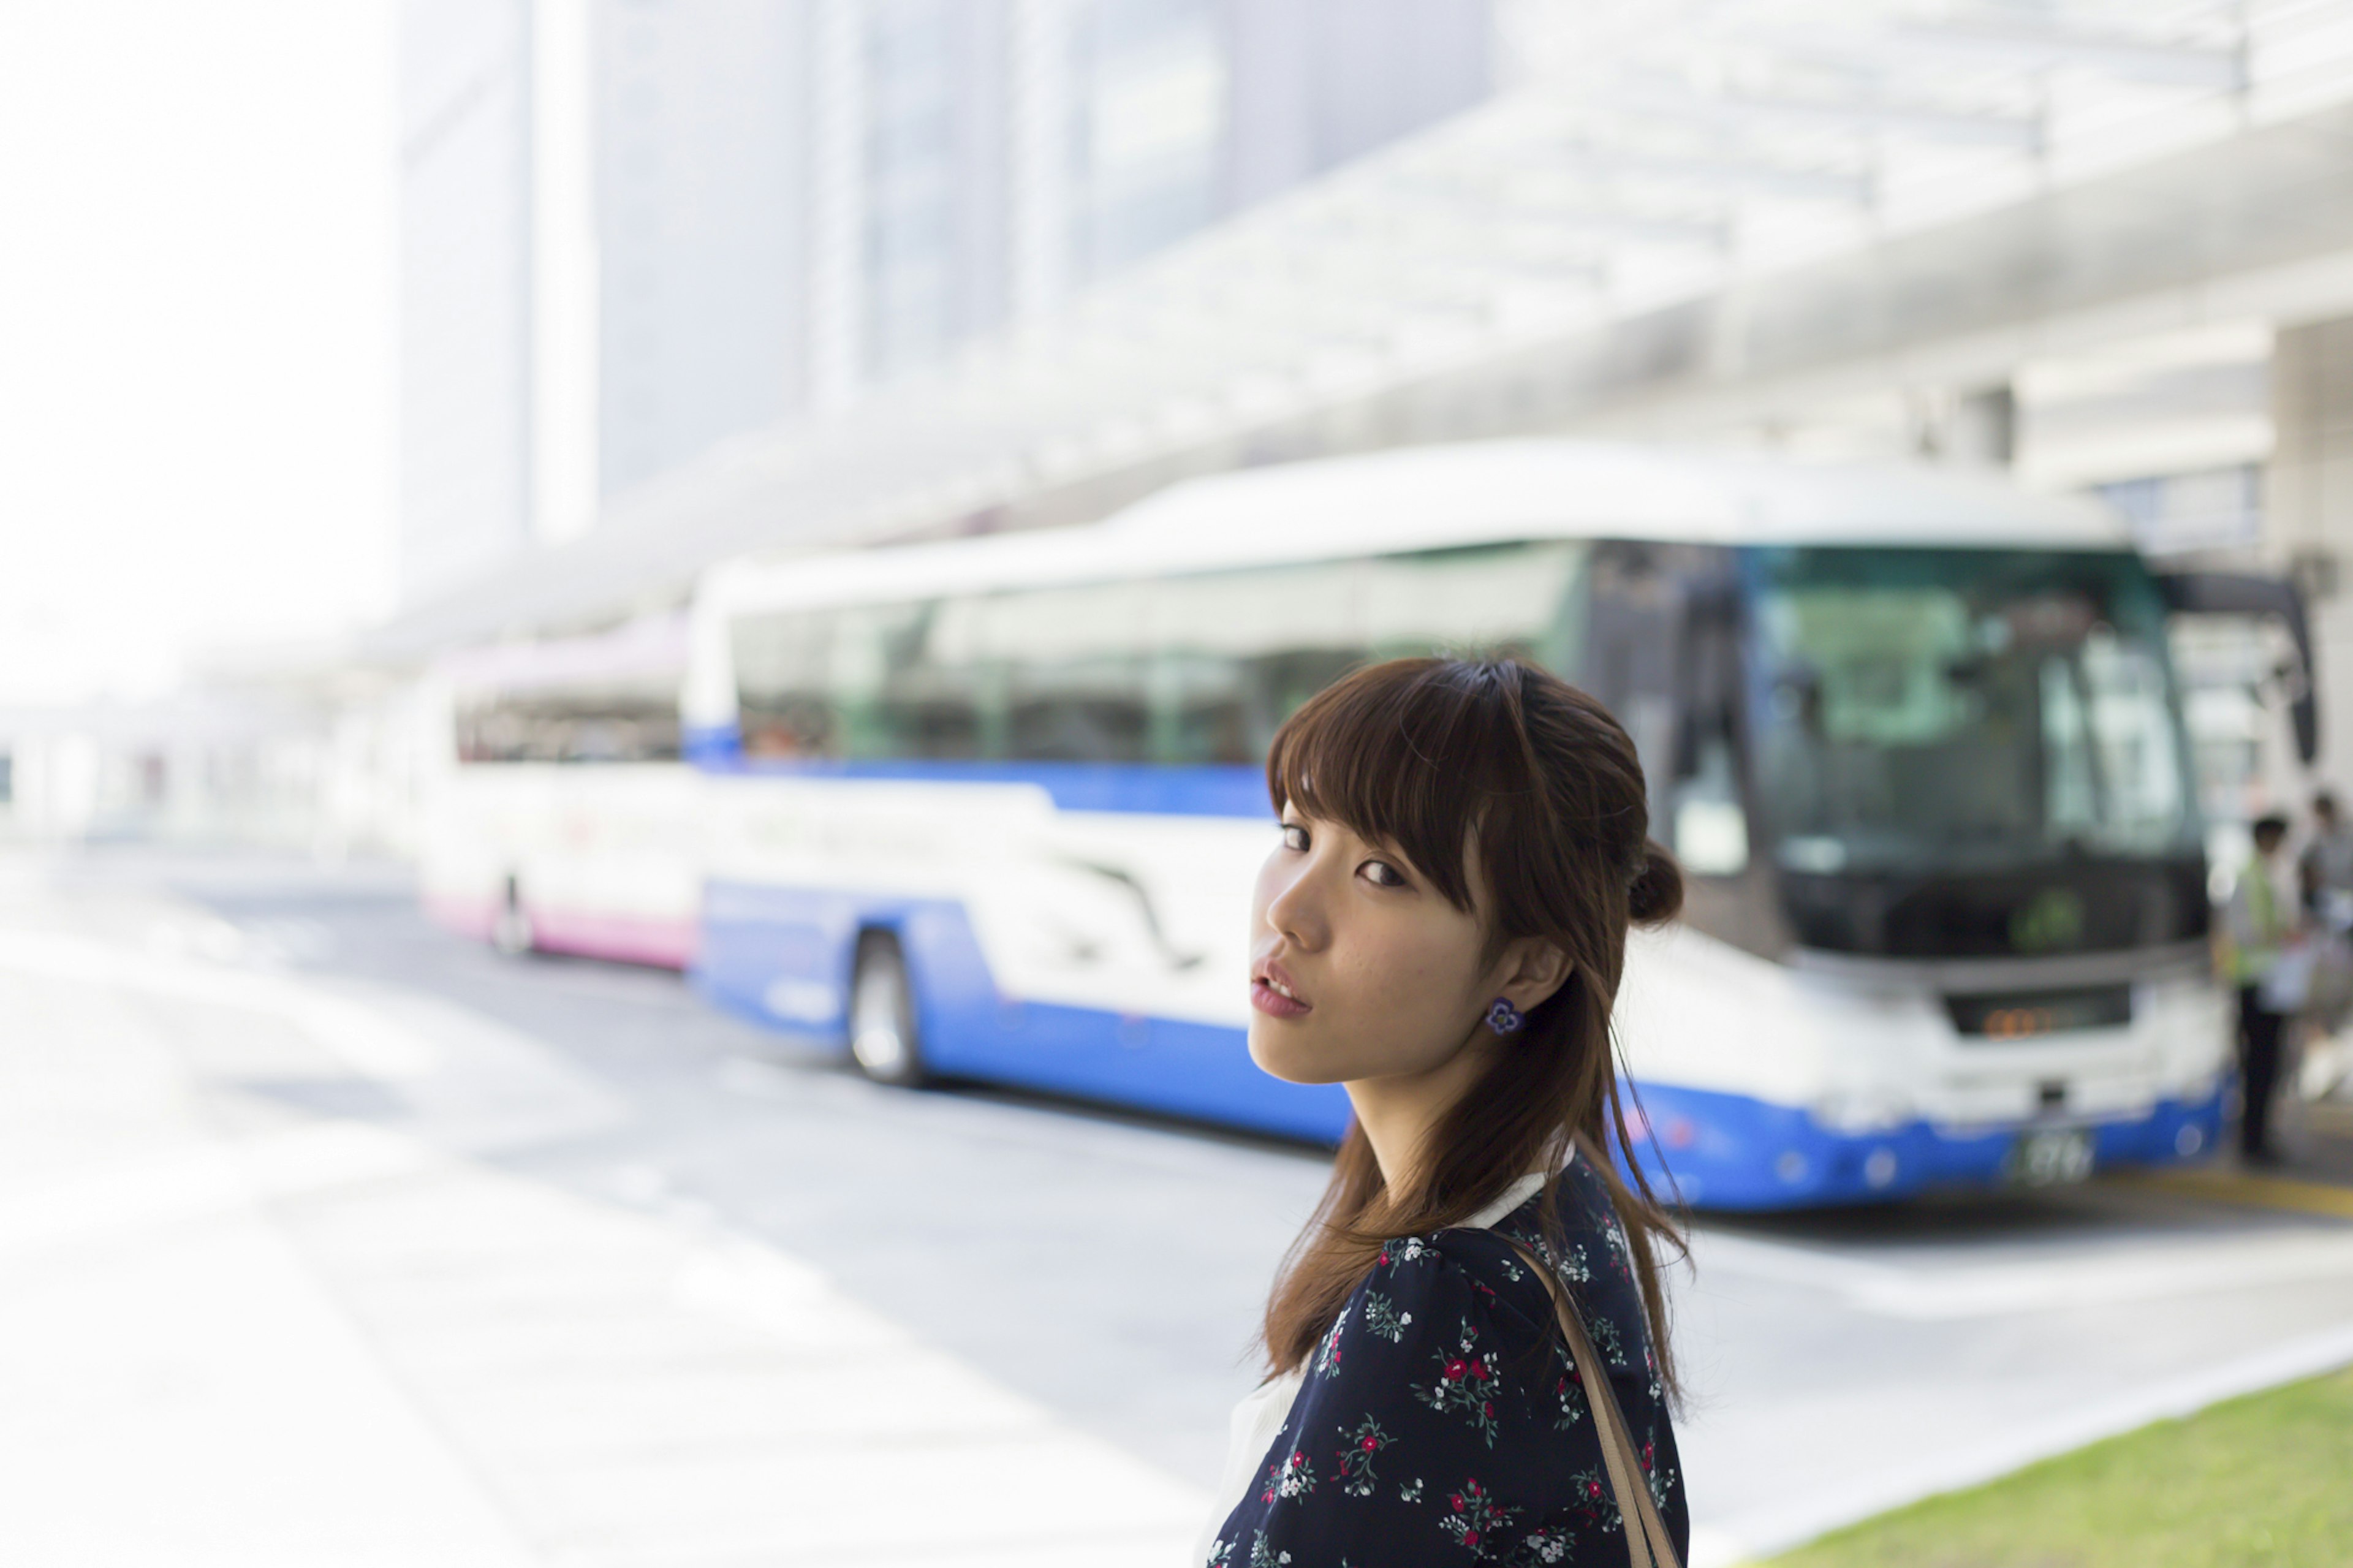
{"x": 1359, "y": 968}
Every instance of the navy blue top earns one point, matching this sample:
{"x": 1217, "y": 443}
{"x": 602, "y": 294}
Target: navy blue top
{"x": 1441, "y": 1420}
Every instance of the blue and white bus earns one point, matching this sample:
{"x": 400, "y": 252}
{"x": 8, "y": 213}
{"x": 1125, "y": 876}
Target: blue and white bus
{"x": 991, "y": 807}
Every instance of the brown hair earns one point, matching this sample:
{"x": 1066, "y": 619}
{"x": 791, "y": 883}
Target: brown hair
{"x": 1418, "y": 753}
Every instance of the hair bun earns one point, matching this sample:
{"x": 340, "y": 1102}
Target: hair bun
{"x": 1656, "y": 894}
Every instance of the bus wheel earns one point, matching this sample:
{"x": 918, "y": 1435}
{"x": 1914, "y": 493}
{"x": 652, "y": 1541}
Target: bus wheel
{"x": 510, "y": 930}
{"x": 882, "y": 1014}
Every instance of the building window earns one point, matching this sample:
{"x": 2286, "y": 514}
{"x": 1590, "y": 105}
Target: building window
{"x": 1151, "y": 81}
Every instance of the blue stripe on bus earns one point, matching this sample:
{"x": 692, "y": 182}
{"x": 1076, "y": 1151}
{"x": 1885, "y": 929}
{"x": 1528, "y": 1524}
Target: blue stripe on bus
{"x": 782, "y": 957}
{"x": 717, "y": 747}
{"x": 1144, "y": 787}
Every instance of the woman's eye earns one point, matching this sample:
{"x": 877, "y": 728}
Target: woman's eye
{"x": 1294, "y": 837}
{"x": 1384, "y": 875}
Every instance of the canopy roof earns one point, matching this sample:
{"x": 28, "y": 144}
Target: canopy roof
{"x": 1672, "y": 192}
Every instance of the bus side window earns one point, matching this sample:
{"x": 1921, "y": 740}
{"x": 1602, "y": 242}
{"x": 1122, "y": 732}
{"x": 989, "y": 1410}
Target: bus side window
{"x": 930, "y": 704}
{"x": 1239, "y": 652}
{"x": 582, "y": 726}
{"x": 783, "y": 664}
{"x": 1236, "y": 653}
{"x": 1058, "y": 674}
{"x": 892, "y": 695}
{"x": 1184, "y": 670}
{"x": 1525, "y": 600}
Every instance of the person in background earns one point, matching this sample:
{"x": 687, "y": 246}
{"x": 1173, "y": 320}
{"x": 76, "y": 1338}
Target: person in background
{"x": 2325, "y": 878}
{"x": 2259, "y": 922}
{"x": 2325, "y": 870}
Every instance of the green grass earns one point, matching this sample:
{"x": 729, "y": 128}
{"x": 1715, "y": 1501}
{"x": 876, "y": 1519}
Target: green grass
{"x": 2261, "y": 1482}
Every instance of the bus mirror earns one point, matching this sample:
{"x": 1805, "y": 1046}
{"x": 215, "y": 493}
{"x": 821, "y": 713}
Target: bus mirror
{"x": 1969, "y": 669}
{"x": 2235, "y": 593}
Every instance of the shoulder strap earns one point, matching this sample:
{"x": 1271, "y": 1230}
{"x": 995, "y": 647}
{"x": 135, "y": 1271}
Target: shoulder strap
{"x": 1647, "y": 1544}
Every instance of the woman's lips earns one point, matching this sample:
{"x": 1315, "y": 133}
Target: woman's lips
{"x": 1274, "y": 1004}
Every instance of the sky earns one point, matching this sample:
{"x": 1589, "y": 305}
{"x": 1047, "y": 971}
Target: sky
{"x": 196, "y": 333}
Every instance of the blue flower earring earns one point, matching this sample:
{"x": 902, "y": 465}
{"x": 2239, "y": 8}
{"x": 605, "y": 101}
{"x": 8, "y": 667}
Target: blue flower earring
{"x": 1505, "y": 1018}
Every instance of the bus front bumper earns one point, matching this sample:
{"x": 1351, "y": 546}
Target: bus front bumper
{"x": 1729, "y": 1151}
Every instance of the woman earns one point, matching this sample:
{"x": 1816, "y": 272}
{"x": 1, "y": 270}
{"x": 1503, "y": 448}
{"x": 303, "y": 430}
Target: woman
{"x": 1441, "y": 928}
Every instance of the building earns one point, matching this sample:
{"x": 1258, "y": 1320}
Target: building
{"x": 497, "y": 285}
{"x": 701, "y": 192}
{"x": 796, "y": 202}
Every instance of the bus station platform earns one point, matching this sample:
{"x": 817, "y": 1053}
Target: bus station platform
{"x": 332, "y": 1234}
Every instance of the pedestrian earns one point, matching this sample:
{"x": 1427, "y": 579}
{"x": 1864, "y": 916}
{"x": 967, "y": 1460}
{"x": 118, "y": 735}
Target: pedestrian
{"x": 2324, "y": 869}
{"x": 1467, "y": 1346}
{"x": 2258, "y": 924}
{"x": 2325, "y": 878}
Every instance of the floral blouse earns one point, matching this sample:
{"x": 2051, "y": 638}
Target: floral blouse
{"x": 1441, "y": 1420}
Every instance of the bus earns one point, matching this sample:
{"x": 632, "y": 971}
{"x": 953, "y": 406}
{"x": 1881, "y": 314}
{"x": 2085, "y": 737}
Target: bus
{"x": 991, "y": 808}
{"x": 561, "y": 816}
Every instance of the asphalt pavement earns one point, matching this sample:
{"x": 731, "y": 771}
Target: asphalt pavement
{"x": 327, "y": 1235}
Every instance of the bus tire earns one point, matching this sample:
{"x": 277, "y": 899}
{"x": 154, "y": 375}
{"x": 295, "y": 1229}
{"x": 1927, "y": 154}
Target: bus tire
{"x": 510, "y": 931}
{"x": 883, "y": 1039}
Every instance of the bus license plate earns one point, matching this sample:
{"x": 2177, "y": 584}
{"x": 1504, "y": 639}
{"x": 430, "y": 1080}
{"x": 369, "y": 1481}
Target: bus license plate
{"x": 2050, "y": 1156}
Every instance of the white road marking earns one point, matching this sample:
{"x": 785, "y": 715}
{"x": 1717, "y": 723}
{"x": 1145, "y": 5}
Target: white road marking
{"x": 201, "y": 1180}
{"x": 368, "y": 1042}
{"x": 2144, "y": 1272}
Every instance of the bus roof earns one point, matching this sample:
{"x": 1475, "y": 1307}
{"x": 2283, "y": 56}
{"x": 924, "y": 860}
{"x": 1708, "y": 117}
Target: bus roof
{"x": 1426, "y": 498}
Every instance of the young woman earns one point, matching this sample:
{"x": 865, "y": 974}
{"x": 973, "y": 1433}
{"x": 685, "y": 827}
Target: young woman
{"x": 1441, "y": 928}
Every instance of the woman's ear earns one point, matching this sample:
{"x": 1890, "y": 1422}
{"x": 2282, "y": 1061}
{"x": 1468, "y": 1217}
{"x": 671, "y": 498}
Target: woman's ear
{"x": 1532, "y": 969}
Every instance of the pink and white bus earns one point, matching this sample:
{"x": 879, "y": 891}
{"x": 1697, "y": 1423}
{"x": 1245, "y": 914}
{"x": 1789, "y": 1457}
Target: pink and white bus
{"x": 561, "y": 819}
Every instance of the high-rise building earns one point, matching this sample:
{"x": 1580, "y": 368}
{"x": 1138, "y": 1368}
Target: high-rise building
{"x": 1183, "y": 112}
{"x": 701, "y": 224}
{"x": 496, "y": 279}
{"x": 798, "y": 202}
{"x": 802, "y": 200}
{"x": 465, "y": 301}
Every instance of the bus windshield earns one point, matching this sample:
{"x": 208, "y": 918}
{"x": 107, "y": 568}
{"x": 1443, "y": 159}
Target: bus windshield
{"x": 1963, "y": 709}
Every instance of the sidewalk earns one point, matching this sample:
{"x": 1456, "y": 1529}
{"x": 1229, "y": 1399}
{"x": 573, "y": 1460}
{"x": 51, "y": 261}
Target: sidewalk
{"x": 2122, "y": 1295}
{"x": 2315, "y": 1177}
{"x": 2327, "y": 1151}
{"x": 552, "y": 1284}
{"x": 234, "y": 1332}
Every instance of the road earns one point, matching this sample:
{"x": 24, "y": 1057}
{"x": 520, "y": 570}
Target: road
{"x": 327, "y": 1237}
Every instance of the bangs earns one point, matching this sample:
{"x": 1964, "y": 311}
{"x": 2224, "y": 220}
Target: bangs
{"x": 1414, "y": 753}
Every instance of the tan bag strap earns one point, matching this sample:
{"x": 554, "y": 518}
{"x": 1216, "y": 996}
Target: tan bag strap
{"x": 1647, "y": 1544}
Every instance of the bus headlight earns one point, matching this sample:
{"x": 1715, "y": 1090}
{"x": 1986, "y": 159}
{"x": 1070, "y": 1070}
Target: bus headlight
{"x": 2200, "y": 1090}
{"x": 1862, "y": 1110}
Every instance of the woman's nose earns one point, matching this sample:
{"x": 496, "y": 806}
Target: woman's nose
{"x": 1296, "y": 908}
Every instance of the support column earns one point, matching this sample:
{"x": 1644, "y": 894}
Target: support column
{"x": 837, "y": 241}
{"x": 2308, "y": 511}
{"x": 563, "y": 285}
{"x": 1978, "y": 426}
{"x": 1038, "y": 102}
{"x": 1984, "y": 427}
